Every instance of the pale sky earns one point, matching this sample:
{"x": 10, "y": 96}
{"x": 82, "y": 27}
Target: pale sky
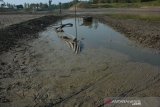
{"x": 34, "y": 1}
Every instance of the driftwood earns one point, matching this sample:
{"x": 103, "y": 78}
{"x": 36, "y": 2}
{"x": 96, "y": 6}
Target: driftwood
{"x": 60, "y": 28}
{"x": 73, "y": 44}
{"x": 69, "y": 39}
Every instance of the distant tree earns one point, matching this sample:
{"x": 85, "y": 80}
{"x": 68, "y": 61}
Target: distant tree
{"x": 91, "y": 1}
{"x": 50, "y": 2}
{"x": 32, "y": 6}
{"x": 25, "y": 5}
{"x": 19, "y": 6}
{"x": 75, "y": 1}
{"x": 146, "y": 0}
{"x": 37, "y": 6}
{"x": 95, "y": 1}
{"x": 45, "y": 6}
{"x": 9, "y": 5}
{"x": 28, "y": 5}
{"x": 40, "y": 5}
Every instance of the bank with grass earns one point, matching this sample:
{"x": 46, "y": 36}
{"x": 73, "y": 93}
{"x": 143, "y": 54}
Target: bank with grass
{"x": 126, "y": 4}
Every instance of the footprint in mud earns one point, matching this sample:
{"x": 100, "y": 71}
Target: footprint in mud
{"x": 37, "y": 55}
{"x": 16, "y": 84}
{"x": 15, "y": 59}
{"x": 77, "y": 69}
{"x": 3, "y": 63}
{"x": 21, "y": 61}
{"x": 41, "y": 96}
{"x": 64, "y": 76}
{"x": 25, "y": 61}
{"x": 6, "y": 71}
{"x": 3, "y": 99}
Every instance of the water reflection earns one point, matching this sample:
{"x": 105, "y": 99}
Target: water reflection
{"x": 90, "y": 23}
{"x": 98, "y": 35}
{"x": 87, "y": 23}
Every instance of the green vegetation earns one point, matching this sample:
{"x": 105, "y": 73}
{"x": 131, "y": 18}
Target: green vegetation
{"x": 137, "y": 17}
{"x": 127, "y": 5}
{"x": 119, "y": 1}
{"x": 111, "y": 4}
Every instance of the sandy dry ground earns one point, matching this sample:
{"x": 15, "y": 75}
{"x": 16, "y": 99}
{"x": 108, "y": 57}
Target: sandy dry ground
{"x": 6, "y": 20}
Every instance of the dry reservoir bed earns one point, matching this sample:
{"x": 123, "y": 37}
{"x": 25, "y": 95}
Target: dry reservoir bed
{"x": 9, "y": 19}
{"x": 47, "y": 72}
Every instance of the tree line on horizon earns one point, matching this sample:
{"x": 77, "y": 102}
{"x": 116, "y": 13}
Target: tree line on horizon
{"x": 46, "y": 6}
{"x": 119, "y": 1}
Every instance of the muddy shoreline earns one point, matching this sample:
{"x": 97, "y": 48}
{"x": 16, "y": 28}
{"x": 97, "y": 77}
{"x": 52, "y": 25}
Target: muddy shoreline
{"x": 144, "y": 33}
{"x": 37, "y": 73}
{"x": 25, "y": 30}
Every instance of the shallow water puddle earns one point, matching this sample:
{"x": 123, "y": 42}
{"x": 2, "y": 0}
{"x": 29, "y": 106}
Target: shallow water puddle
{"x": 101, "y": 38}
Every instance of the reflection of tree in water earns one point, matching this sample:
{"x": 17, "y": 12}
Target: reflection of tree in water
{"x": 90, "y": 24}
{"x": 95, "y": 24}
{"x": 87, "y": 23}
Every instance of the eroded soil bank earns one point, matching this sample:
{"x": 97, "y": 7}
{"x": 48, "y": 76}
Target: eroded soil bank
{"x": 24, "y": 30}
{"x": 40, "y": 73}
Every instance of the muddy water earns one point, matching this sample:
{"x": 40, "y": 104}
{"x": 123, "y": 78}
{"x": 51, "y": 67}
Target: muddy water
{"x": 95, "y": 35}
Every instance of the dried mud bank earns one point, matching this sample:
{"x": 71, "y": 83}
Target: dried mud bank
{"x": 24, "y": 30}
{"x": 143, "y": 32}
{"x": 8, "y": 19}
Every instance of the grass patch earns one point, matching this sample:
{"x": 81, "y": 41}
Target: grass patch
{"x": 137, "y": 17}
{"x": 114, "y": 5}
{"x": 126, "y": 5}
